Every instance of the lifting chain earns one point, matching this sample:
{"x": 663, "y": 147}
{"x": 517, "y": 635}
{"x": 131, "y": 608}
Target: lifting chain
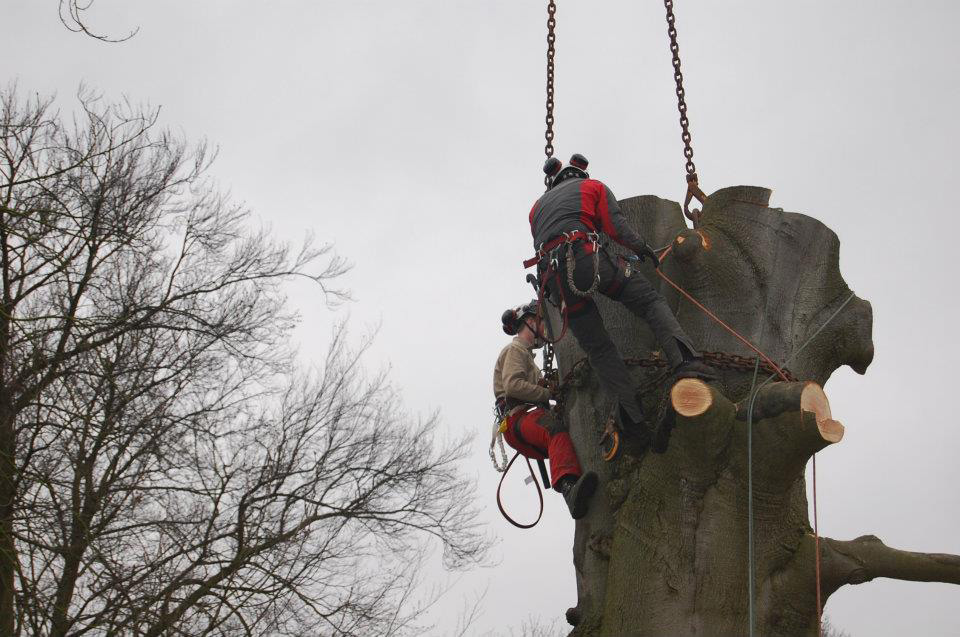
{"x": 548, "y": 369}
{"x": 551, "y": 51}
{"x": 693, "y": 188}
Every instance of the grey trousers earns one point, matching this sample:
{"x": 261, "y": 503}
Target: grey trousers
{"x": 636, "y": 293}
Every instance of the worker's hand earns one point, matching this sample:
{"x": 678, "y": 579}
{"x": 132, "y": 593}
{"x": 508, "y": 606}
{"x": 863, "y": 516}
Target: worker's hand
{"x": 647, "y": 253}
{"x": 554, "y": 388}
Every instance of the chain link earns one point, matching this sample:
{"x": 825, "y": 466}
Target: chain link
{"x": 681, "y": 94}
{"x": 718, "y": 360}
{"x": 551, "y": 51}
{"x": 548, "y": 369}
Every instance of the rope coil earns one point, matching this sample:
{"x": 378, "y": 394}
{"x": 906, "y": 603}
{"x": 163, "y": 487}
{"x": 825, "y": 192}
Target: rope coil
{"x": 571, "y": 266}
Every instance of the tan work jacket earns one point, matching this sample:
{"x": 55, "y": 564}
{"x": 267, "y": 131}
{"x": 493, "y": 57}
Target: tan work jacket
{"x": 516, "y": 374}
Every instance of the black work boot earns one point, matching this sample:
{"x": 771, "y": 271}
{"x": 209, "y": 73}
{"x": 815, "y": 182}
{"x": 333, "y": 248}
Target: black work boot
{"x": 636, "y": 434}
{"x": 661, "y": 437}
{"x": 577, "y": 492}
{"x": 694, "y": 368}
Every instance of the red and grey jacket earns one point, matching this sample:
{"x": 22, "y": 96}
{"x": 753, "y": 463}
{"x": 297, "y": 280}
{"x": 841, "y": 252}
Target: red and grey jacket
{"x": 581, "y": 204}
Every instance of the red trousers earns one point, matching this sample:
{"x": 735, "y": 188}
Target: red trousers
{"x": 527, "y": 435}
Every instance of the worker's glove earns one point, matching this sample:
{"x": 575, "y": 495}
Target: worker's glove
{"x": 646, "y": 252}
{"x": 551, "y": 385}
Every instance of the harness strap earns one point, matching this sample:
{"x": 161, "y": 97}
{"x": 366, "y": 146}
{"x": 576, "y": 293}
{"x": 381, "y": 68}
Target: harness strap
{"x": 568, "y": 237}
{"x": 576, "y": 309}
{"x": 619, "y": 280}
{"x": 503, "y": 511}
{"x": 517, "y": 433}
{"x": 541, "y": 311}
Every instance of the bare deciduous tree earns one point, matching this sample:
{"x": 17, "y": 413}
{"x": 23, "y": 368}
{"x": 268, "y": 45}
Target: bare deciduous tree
{"x": 165, "y": 467}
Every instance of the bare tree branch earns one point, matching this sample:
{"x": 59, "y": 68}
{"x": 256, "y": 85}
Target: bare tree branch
{"x": 166, "y": 467}
{"x": 72, "y": 15}
{"x": 866, "y": 558}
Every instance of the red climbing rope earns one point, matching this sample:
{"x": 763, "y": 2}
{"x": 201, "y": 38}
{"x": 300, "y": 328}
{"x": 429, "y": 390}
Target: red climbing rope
{"x": 816, "y": 542}
{"x": 520, "y": 525}
{"x": 545, "y": 317}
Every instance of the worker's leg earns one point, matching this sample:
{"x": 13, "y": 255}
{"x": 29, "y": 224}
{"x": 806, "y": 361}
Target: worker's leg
{"x": 513, "y": 436}
{"x": 636, "y": 293}
{"x": 563, "y": 458}
{"x": 587, "y": 326}
{"x": 542, "y": 430}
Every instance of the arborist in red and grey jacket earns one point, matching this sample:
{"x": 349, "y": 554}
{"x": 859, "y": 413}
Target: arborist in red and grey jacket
{"x": 567, "y": 223}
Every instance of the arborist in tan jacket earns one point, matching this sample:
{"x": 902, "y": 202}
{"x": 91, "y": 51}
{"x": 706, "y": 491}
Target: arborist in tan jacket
{"x": 529, "y": 426}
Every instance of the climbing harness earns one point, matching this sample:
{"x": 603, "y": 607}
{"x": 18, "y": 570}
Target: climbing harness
{"x": 549, "y": 248}
{"x": 693, "y": 187}
{"x": 549, "y": 252}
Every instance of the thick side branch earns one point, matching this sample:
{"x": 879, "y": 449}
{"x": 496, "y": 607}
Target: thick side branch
{"x": 865, "y": 558}
{"x": 793, "y": 420}
{"x": 776, "y": 398}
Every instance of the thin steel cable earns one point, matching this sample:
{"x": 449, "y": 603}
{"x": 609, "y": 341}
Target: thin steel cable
{"x": 809, "y": 340}
{"x": 816, "y": 529}
{"x": 779, "y": 372}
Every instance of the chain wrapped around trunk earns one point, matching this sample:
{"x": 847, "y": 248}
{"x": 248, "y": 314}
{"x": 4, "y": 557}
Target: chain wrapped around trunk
{"x": 719, "y": 360}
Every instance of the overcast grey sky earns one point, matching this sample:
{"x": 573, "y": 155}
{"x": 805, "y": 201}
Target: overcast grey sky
{"x": 410, "y": 134}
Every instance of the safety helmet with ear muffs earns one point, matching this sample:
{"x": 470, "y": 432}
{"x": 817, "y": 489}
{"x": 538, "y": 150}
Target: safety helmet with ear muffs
{"x": 512, "y": 319}
{"x": 550, "y": 168}
{"x": 556, "y": 173}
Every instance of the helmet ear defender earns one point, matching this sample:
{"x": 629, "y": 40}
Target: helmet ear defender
{"x": 552, "y": 166}
{"x": 555, "y": 172}
{"x": 579, "y": 161}
{"x": 512, "y": 319}
{"x": 510, "y": 322}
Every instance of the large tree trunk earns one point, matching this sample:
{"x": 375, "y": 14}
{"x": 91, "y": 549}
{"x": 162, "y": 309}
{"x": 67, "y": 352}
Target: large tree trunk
{"x": 664, "y": 548}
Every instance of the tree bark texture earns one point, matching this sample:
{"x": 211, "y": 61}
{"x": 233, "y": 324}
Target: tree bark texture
{"x": 664, "y": 549}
